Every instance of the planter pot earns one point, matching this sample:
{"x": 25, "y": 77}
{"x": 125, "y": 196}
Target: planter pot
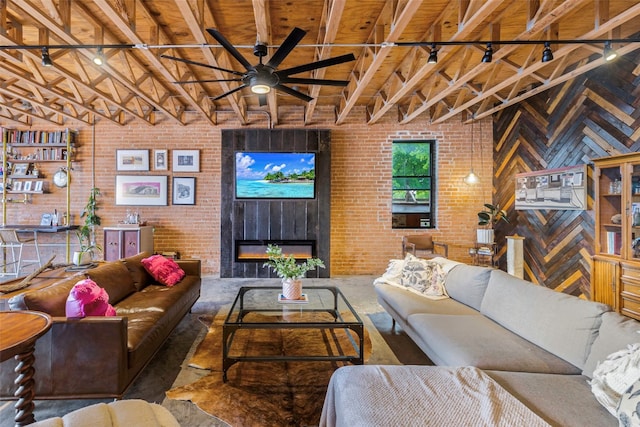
{"x": 485, "y": 235}
{"x": 81, "y": 258}
{"x": 292, "y": 288}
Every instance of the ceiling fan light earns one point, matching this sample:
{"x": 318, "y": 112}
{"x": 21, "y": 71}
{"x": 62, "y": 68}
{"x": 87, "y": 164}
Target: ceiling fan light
{"x": 46, "y": 59}
{"x": 609, "y": 54}
{"x": 260, "y": 89}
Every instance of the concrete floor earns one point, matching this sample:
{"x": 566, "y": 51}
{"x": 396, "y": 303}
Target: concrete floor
{"x": 169, "y": 367}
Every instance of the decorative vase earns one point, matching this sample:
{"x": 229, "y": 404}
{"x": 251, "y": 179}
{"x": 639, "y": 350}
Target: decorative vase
{"x": 485, "y": 235}
{"x": 81, "y": 258}
{"x": 292, "y": 288}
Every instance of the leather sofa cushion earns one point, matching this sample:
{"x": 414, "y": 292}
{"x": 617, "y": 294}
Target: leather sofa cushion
{"x": 141, "y": 277}
{"x": 115, "y": 278}
{"x": 559, "y": 323}
{"x": 52, "y": 299}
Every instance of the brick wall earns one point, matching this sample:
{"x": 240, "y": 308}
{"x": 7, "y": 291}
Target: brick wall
{"x": 362, "y": 240}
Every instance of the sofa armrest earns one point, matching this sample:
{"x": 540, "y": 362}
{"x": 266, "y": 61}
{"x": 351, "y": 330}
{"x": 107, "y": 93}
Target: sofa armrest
{"x": 190, "y": 266}
{"x": 77, "y": 357}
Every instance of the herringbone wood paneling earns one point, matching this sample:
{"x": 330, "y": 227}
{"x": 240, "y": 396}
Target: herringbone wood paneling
{"x": 594, "y": 115}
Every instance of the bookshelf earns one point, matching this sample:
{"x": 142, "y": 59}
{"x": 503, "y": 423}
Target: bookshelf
{"x": 615, "y": 275}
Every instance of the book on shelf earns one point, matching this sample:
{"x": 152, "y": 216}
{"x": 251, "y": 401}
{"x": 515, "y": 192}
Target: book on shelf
{"x": 614, "y": 242}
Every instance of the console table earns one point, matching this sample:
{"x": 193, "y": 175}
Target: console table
{"x": 20, "y": 330}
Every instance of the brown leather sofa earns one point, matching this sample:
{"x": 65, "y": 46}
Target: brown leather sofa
{"x": 95, "y": 357}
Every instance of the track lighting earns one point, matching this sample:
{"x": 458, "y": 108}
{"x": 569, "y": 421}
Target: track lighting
{"x": 46, "y": 59}
{"x": 433, "y": 56}
{"x": 547, "y": 55}
{"x": 488, "y": 53}
{"x": 609, "y": 54}
{"x": 99, "y": 58}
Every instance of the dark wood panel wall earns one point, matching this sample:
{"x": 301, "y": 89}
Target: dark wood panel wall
{"x": 276, "y": 219}
{"x": 594, "y": 115}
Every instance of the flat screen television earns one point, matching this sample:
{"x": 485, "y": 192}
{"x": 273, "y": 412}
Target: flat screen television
{"x": 270, "y": 175}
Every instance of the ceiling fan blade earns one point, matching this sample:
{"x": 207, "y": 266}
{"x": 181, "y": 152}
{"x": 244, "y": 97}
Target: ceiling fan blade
{"x": 187, "y": 61}
{"x": 294, "y": 92}
{"x": 318, "y": 64}
{"x": 325, "y": 82}
{"x": 262, "y": 99}
{"x": 286, "y": 47}
{"x": 183, "y": 82}
{"x": 230, "y": 92}
{"x": 230, "y": 48}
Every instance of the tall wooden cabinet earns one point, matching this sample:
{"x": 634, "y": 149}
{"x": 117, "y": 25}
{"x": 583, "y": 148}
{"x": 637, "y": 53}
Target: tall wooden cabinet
{"x": 122, "y": 242}
{"x": 615, "y": 275}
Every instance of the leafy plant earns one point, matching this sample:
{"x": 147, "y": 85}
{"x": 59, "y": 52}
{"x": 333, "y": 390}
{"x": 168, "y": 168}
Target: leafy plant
{"x": 492, "y": 214}
{"x": 286, "y": 266}
{"x": 86, "y": 232}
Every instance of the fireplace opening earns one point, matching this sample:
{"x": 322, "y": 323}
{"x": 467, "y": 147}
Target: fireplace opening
{"x": 256, "y": 250}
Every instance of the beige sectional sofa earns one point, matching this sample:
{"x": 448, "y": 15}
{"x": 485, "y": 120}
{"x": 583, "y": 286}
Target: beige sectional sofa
{"x": 539, "y": 345}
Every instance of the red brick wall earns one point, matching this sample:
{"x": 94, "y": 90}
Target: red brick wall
{"x": 362, "y": 240}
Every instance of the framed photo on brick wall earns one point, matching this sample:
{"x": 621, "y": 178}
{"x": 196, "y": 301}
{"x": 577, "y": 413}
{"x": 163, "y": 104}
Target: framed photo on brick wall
{"x": 184, "y": 191}
{"x": 141, "y": 190}
{"x": 186, "y": 160}
{"x": 132, "y": 160}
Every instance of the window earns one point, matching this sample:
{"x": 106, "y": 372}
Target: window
{"x": 413, "y": 179}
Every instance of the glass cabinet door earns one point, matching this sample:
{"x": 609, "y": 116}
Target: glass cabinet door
{"x": 634, "y": 213}
{"x": 610, "y": 210}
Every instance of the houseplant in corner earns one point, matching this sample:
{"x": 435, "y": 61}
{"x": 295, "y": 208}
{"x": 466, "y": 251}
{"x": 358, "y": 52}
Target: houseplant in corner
{"x": 488, "y": 217}
{"x": 290, "y": 271}
{"x": 86, "y": 232}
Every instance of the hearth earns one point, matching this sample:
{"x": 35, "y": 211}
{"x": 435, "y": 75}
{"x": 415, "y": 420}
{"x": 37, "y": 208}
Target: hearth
{"x": 255, "y": 250}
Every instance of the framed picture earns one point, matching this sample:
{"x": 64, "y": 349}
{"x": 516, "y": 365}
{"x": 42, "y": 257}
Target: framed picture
{"x": 20, "y": 168}
{"x": 38, "y": 186}
{"x": 186, "y": 160}
{"x": 140, "y": 190}
{"x": 184, "y": 191}
{"x": 16, "y": 186}
{"x": 26, "y": 186}
{"x": 132, "y": 160}
{"x": 561, "y": 189}
{"x": 160, "y": 160}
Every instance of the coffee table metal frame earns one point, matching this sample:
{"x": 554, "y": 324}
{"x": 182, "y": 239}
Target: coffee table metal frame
{"x": 238, "y": 311}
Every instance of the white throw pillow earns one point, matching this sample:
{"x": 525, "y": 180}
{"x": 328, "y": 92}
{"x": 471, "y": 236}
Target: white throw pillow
{"x": 424, "y": 277}
{"x": 393, "y": 274}
{"x": 614, "y": 375}
{"x": 629, "y": 406}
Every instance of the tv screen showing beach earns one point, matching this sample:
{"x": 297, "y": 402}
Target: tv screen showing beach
{"x": 275, "y": 175}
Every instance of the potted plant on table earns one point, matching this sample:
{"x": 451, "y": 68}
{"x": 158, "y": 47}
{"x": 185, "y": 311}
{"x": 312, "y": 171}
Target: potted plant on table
{"x": 290, "y": 271}
{"x": 488, "y": 217}
{"x": 86, "y": 232}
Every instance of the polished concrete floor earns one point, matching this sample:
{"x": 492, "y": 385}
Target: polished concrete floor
{"x": 169, "y": 367}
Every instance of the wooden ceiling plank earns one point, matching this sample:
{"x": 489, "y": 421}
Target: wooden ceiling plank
{"x": 402, "y": 18}
{"x": 330, "y": 22}
{"x": 196, "y": 21}
{"x": 471, "y": 25}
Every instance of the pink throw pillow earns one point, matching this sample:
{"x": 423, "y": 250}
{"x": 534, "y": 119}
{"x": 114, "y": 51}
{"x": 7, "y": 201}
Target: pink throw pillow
{"x": 86, "y": 298}
{"x": 164, "y": 270}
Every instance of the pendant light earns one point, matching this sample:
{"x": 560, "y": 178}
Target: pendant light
{"x": 471, "y": 178}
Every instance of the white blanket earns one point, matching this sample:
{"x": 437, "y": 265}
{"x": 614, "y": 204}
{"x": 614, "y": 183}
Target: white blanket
{"x": 383, "y": 396}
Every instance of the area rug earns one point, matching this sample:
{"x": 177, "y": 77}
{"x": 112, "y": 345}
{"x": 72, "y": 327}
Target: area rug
{"x": 265, "y": 393}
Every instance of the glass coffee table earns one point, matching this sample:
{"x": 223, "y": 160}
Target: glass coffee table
{"x": 259, "y": 307}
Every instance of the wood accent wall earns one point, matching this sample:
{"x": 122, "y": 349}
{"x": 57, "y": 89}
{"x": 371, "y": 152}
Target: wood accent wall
{"x": 296, "y": 219}
{"x": 594, "y": 115}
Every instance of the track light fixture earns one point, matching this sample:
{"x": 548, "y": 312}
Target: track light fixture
{"x": 433, "y": 56}
{"x": 46, "y": 59}
{"x": 547, "y": 55}
{"x": 609, "y": 54}
{"x": 99, "y": 59}
{"x": 488, "y": 53}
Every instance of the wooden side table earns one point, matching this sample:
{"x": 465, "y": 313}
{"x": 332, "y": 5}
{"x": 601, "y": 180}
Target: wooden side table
{"x": 19, "y": 331}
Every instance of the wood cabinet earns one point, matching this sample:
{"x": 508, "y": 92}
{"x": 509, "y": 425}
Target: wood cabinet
{"x": 122, "y": 242}
{"x": 615, "y": 276}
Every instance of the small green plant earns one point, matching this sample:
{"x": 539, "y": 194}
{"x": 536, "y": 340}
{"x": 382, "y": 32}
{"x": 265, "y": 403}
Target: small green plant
{"x": 491, "y": 215}
{"x": 286, "y": 267}
{"x": 86, "y": 232}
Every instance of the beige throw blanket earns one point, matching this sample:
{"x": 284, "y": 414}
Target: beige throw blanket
{"x": 420, "y": 396}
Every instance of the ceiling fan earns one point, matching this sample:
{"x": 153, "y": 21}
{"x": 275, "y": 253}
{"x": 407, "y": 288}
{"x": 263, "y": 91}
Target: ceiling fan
{"x": 261, "y": 78}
